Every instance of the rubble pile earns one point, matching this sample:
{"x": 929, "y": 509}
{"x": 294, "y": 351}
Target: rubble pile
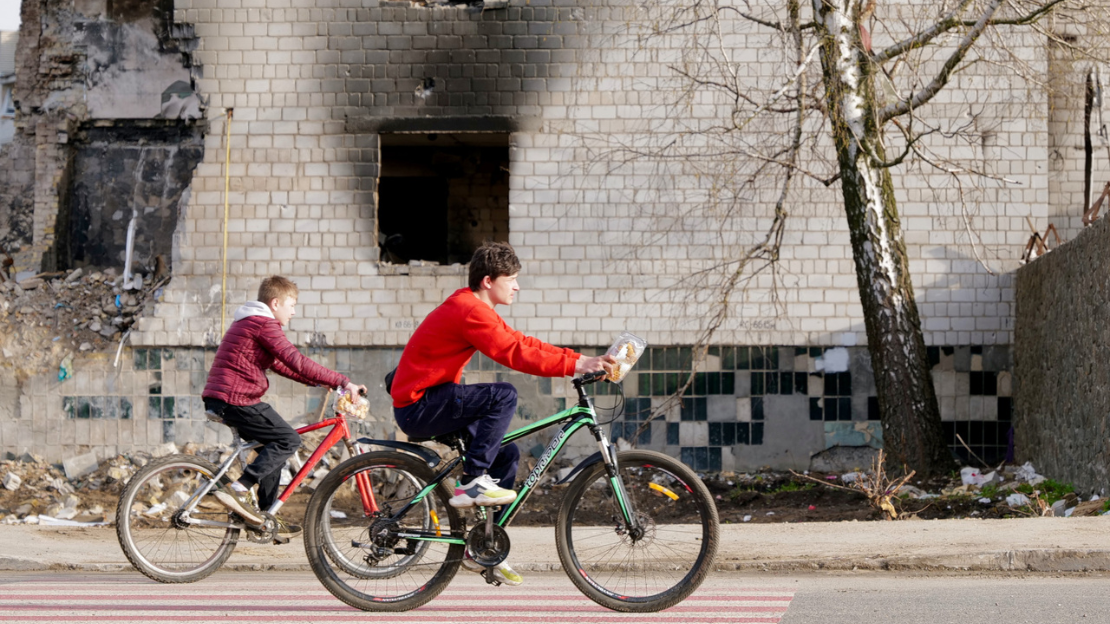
{"x": 44, "y": 317}
{"x": 33, "y": 491}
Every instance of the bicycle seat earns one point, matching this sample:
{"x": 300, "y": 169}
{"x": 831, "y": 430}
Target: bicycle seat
{"x": 452, "y": 439}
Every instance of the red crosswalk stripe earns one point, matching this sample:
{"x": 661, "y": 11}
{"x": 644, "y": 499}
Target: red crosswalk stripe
{"x": 289, "y": 598}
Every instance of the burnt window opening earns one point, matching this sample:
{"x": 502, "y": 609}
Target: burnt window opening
{"x": 440, "y": 196}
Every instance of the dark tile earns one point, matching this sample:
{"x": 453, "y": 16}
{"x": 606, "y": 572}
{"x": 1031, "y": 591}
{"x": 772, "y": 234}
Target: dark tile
{"x": 815, "y": 352}
{"x": 125, "y": 408}
{"x": 685, "y": 358}
{"x": 771, "y": 383}
{"x": 976, "y": 385}
{"x": 844, "y": 384}
{"x": 672, "y": 433}
{"x": 975, "y": 433}
{"x": 671, "y": 359}
{"x": 873, "y": 412}
{"x": 686, "y": 454}
{"x": 800, "y": 351}
{"x": 1005, "y": 409}
{"x": 801, "y": 383}
{"x": 728, "y": 433}
{"x": 154, "y": 359}
{"x": 844, "y": 408}
{"x": 69, "y": 405}
{"x": 934, "y": 355}
{"x": 644, "y": 438}
{"x": 155, "y": 407}
{"x": 743, "y": 358}
{"x": 658, "y": 384}
{"x": 673, "y": 382}
{"x": 786, "y": 383}
{"x": 701, "y": 458}
{"x": 990, "y": 383}
{"x": 714, "y": 459}
{"x": 712, "y": 383}
{"x": 990, "y": 433}
{"x": 168, "y": 433}
{"x": 759, "y": 361}
{"x": 701, "y": 384}
{"x": 715, "y": 437}
{"x": 139, "y": 362}
{"x": 83, "y": 408}
{"x": 743, "y": 433}
{"x": 757, "y": 408}
{"x": 962, "y": 361}
{"x": 815, "y": 411}
{"x": 701, "y": 409}
{"x": 830, "y": 384}
{"x": 772, "y": 355}
{"x": 728, "y": 358}
{"x": 728, "y": 383}
{"x": 757, "y": 383}
{"x": 757, "y": 433}
{"x": 832, "y": 409}
{"x": 976, "y": 349}
{"x": 168, "y": 407}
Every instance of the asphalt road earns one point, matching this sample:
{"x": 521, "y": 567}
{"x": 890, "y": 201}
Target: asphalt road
{"x": 549, "y": 598}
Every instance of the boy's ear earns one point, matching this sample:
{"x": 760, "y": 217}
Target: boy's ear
{"x": 487, "y": 282}
{"x": 273, "y": 303}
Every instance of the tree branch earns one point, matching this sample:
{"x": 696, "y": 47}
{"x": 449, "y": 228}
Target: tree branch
{"x": 948, "y": 22}
{"x": 921, "y": 97}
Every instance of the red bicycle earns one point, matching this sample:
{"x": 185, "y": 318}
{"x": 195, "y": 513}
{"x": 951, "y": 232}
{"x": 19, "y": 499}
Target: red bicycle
{"x": 172, "y": 531}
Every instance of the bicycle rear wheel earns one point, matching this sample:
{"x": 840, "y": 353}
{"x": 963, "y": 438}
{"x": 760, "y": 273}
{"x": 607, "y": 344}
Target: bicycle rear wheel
{"x": 152, "y": 531}
{"x": 362, "y": 559}
{"x": 644, "y": 572}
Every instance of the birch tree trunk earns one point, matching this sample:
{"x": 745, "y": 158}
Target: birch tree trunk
{"x": 912, "y": 434}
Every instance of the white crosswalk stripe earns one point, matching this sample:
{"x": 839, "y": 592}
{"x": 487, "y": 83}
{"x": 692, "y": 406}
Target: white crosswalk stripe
{"x": 296, "y": 597}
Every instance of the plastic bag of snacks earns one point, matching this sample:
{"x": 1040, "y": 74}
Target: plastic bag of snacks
{"x": 352, "y": 405}
{"x": 626, "y": 350}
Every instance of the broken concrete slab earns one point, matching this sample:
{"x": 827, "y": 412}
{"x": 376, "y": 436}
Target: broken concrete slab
{"x": 12, "y": 481}
{"x": 81, "y": 465}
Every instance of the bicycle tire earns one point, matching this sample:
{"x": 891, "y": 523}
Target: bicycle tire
{"x": 158, "y": 546}
{"x": 661, "y": 568}
{"x": 393, "y": 582}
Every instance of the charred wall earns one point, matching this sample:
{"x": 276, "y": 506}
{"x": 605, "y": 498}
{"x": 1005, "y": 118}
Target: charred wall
{"x": 106, "y": 122}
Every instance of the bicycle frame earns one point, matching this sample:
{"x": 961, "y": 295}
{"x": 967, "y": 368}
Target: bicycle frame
{"x": 575, "y": 418}
{"x": 339, "y": 431}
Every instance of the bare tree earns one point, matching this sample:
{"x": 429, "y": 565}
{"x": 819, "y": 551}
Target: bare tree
{"x": 856, "y": 95}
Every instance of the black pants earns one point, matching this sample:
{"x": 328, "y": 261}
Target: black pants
{"x": 260, "y": 423}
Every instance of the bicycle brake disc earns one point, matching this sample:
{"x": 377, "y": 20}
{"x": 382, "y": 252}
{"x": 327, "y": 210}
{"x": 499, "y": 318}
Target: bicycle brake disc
{"x": 487, "y": 550}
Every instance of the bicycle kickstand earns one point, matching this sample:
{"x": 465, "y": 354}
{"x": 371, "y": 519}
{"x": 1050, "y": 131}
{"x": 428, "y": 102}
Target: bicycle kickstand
{"x": 487, "y": 573}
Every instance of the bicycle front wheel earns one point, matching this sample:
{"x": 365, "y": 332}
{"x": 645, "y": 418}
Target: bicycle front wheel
{"x": 366, "y": 560}
{"x": 161, "y": 538}
{"x": 664, "y": 559}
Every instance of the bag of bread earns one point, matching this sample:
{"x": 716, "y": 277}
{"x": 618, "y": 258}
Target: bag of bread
{"x": 625, "y": 350}
{"x": 352, "y": 405}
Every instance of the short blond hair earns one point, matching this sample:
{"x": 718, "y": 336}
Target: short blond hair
{"x": 276, "y": 287}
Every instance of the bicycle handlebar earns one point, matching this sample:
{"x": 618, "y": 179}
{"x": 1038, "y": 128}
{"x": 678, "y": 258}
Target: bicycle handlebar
{"x": 590, "y": 378}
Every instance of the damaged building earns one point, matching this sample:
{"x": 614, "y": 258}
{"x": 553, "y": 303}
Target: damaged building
{"x": 365, "y": 152}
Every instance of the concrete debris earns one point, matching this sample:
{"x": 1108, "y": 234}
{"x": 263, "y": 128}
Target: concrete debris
{"x": 44, "y": 316}
{"x": 12, "y": 481}
{"x": 79, "y": 466}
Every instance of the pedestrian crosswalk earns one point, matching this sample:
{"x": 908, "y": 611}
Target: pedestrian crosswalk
{"x": 297, "y": 597}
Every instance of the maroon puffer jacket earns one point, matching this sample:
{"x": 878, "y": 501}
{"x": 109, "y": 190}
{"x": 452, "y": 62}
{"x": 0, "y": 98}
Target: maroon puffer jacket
{"x": 251, "y": 346}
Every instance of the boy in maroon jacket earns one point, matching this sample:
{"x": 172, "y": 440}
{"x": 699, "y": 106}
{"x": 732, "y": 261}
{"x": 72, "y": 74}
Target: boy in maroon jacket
{"x": 254, "y": 344}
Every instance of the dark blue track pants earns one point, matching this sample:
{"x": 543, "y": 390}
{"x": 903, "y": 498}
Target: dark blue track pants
{"x": 483, "y": 409}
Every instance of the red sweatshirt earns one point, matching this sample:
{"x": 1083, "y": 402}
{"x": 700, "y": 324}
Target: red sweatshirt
{"x": 447, "y": 339}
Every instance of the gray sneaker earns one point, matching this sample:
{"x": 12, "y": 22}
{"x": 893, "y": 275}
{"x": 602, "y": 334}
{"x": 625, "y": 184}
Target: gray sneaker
{"x": 482, "y": 491}
{"x": 240, "y": 503}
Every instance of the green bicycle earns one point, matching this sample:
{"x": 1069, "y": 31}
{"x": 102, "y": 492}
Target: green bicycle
{"x": 637, "y": 530}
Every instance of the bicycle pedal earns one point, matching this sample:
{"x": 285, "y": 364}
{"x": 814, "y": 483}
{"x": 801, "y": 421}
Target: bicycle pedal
{"x": 490, "y": 578}
{"x": 280, "y": 540}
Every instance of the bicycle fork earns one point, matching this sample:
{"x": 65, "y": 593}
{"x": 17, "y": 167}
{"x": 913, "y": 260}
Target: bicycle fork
{"x": 612, "y": 470}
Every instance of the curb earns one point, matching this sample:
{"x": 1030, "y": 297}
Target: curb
{"x": 1036, "y": 560}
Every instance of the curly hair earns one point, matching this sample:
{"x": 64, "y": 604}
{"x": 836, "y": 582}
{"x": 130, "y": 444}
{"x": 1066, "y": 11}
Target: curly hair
{"x": 493, "y": 259}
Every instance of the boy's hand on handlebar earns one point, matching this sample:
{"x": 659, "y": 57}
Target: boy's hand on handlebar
{"x": 355, "y": 389}
{"x": 587, "y": 365}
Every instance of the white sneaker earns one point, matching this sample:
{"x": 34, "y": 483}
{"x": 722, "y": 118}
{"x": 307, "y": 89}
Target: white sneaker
{"x": 502, "y": 572}
{"x": 482, "y": 491}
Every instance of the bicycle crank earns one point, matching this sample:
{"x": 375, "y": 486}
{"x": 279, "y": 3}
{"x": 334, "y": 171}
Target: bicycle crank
{"x": 487, "y": 546}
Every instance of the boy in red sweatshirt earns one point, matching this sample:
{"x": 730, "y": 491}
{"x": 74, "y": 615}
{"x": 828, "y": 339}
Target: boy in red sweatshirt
{"x": 253, "y": 344}
{"x": 429, "y": 401}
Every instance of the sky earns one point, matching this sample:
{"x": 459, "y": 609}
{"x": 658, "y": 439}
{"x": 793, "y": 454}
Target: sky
{"x": 9, "y": 14}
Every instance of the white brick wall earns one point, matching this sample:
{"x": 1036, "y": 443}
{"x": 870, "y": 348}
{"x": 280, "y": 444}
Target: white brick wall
{"x": 598, "y": 256}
